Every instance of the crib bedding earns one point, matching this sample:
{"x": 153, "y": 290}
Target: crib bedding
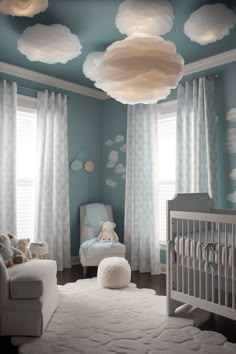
{"x": 216, "y": 249}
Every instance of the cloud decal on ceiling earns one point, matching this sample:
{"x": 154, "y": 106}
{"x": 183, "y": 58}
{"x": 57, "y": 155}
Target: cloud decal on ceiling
{"x": 232, "y": 197}
{"x": 26, "y": 8}
{"x": 49, "y": 44}
{"x": 150, "y": 17}
{"x": 209, "y": 23}
{"x": 149, "y": 66}
{"x": 230, "y": 141}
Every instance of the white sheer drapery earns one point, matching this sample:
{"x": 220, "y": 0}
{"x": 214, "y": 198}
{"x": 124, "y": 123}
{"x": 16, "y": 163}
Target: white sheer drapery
{"x": 141, "y": 199}
{"x": 8, "y": 110}
{"x": 196, "y": 138}
{"x": 52, "y": 189}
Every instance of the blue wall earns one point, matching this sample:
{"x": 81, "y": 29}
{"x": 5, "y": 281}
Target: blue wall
{"x": 84, "y": 138}
{"x": 114, "y": 123}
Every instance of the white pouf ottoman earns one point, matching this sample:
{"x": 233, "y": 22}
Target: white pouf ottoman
{"x": 114, "y": 273}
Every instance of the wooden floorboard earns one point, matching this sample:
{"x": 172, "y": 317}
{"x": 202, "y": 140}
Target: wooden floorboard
{"x": 145, "y": 280}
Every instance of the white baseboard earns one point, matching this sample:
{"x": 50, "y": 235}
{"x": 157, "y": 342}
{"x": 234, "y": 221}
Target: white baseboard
{"x": 75, "y": 260}
{"x": 163, "y": 268}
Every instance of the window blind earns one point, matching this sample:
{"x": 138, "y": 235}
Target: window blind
{"x": 166, "y": 167}
{"x": 25, "y": 171}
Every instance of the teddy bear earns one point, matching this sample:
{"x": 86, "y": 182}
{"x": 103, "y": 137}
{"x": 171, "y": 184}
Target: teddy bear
{"x": 13, "y": 240}
{"x": 22, "y": 245}
{"x": 108, "y": 233}
{"x": 10, "y": 254}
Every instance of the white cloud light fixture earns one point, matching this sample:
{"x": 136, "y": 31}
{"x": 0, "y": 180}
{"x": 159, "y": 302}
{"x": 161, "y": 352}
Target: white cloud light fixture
{"x": 209, "y": 23}
{"x": 145, "y": 16}
{"x": 49, "y": 44}
{"x": 136, "y": 69}
{"x": 27, "y": 8}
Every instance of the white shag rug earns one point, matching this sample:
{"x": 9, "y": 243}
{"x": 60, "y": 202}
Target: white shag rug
{"x": 91, "y": 320}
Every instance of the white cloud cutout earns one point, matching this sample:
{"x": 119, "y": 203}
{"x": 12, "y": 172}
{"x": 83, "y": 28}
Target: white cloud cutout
{"x": 110, "y": 164}
{"x": 120, "y": 169}
{"x": 49, "y": 44}
{"x": 111, "y": 183}
{"x": 232, "y": 197}
{"x": 113, "y": 156}
{"x": 109, "y": 142}
{"x": 145, "y": 16}
{"x": 232, "y": 174}
{"x": 138, "y": 70}
{"x": 123, "y": 148}
{"x": 209, "y": 23}
{"x": 27, "y": 8}
{"x": 119, "y": 138}
{"x": 231, "y": 115}
{"x": 230, "y": 140}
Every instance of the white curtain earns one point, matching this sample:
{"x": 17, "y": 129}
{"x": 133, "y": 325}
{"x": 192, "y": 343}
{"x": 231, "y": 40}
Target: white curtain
{"x": 8, "y": 109}
{"x": 196, "y": 138}
{"x": 52, "y": 189}
{"x": 141, "y": 199}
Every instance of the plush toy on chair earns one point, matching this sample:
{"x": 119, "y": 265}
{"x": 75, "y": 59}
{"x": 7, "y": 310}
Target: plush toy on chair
{"x": 108, "y": 233}
{"x": 114, "y": 273}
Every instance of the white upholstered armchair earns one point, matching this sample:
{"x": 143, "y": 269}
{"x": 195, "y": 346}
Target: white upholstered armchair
{"x": 92, "y": 259}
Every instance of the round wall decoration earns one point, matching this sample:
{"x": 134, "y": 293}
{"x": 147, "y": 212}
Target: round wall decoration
{"x": 89, "y": 166}
{"x": 76, "y": 165}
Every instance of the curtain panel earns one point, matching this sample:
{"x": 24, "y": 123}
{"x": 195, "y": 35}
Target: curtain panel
{"x": 52, "y": 188}
{"x": 196, "y": 138}
{"x": 141, "y": 197}
{"x": 8, "y": 111}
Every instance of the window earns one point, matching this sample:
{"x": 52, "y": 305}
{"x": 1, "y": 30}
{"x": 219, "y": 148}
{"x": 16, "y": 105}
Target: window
{"x": 166, "y": 162}
{"x": 25, "y": 167}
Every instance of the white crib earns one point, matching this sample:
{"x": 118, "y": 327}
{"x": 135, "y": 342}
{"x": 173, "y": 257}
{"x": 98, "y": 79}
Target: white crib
{"x": 201, "y": 257}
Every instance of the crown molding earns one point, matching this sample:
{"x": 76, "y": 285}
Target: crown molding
{"x": 51, "y": 81}
{"x": 191, "y": 68}
{"x": 210, "y": 62}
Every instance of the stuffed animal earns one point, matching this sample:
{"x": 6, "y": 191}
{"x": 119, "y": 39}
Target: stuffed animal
{"x": 108, "y": 233}
{"x": 22, "y": 245}
{"x": 10, "y": 254}
{"x": 13, "y": 240}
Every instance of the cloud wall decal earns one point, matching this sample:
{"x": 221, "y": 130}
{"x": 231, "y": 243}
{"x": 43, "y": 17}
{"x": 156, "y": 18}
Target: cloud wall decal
{"x": 232, "y": 174}
{"x": 49, "y": 44}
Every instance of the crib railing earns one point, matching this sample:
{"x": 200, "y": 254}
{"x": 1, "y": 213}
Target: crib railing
{"x": 202, "y": 261}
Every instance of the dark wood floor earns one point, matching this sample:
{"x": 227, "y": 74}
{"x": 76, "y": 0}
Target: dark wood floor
{"x": 155, "y": 282}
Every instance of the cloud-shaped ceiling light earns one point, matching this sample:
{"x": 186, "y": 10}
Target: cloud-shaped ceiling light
{"x": 27, "y": 8}
{"x": 145, "y": 16}
{"x": 209, "y": 23}
{"x": 136, "y": 69}
{"x": 49, "y": 44}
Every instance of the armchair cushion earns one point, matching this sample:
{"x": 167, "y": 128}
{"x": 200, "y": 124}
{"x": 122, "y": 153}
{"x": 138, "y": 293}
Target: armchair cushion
{"x": 30, "y": 279}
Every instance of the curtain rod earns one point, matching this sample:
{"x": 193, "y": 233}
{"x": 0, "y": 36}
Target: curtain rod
{"x": 35, "y": 90}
